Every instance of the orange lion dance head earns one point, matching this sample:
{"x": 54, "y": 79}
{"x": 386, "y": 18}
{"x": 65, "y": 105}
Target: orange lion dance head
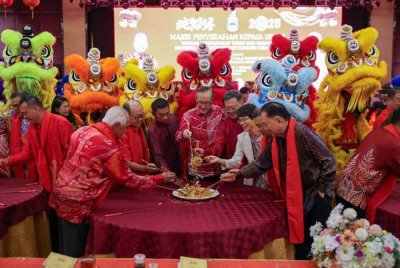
{"x": 92, "y": 86}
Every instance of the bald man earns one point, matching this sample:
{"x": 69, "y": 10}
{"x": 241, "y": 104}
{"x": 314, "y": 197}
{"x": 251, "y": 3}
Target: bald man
{"x": 132, "y": 144}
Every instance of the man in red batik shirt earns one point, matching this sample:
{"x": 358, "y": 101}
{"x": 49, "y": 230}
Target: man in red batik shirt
{"x": 132, "y": 144}
{"x": 93, "y": 165}
{"x": 371, "y": 173}
{"x": 231, "y": 126}
{"x": 393, "y": 103}
{"x": 200, "y": 128}
{"x": 163, "y": 146}
{"x": 17, "y": 137}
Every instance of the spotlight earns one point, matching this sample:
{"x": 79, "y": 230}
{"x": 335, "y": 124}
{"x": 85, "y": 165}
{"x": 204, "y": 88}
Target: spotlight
{"x": 348, "y": 4}
{"x": 294, "y": 4}
{"x": 140, "y": 4}
{"x": 125, "y": 5}
{"x": 226, "y": 4}
{"x": 93, "y": 4}
{"x": 213, "y": 3}
{"x": 197, "y": 4}
{"x": 277, "y": 4}
{"x": 245, "y": 4}
{"x": 165, "y": 4}
{"x": 182, "y": 4}
{"x": 261, "y": 4}
{"x": 232, "y": 6}
{"x": 332, "y": 4}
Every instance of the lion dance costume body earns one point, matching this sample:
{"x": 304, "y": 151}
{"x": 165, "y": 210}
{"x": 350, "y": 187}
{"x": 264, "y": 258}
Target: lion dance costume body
{"x": 344, "y": 95}
{"x": 281, "y": 82}
{"x": 147, "y": 84}
{"x": 203, "y": 68}
{"x": 304, "y": 52}
{"x": 92, "y": 85}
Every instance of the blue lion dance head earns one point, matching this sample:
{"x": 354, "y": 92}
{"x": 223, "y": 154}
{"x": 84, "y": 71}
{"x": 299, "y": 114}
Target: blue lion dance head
{"x": 279, "y": 81}
{"x": 396, "y": 81}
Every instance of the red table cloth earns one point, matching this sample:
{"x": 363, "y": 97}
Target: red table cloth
{"x": 128, "y": 263}
{"x": 225, "y": 227}
{"x": 14, "y": 207}
{"x": 388, "y": 214}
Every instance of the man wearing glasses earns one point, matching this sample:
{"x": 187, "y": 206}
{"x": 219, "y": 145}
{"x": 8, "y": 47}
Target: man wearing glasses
{"x": 18, "y": 128}
{"x": 132, "y": 144}
{"x": 200, "y": 130}
{"x": 231, "y": 128}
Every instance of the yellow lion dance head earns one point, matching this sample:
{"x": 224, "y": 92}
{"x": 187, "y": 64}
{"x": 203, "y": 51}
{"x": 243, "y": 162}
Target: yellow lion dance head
{"x": 344, "y": 95}
{"x": 147, "y": 84}
{"x": 92, "y": 84}
{"x": 28, "y": 64}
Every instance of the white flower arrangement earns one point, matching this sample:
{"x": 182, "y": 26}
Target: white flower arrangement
{"x": 349, "y": 242}
{"x": 350, "y": 214}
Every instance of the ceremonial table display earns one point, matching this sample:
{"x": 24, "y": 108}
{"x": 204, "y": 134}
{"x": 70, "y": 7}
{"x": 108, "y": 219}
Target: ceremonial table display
{"x": 388, "y": 213}
{"x": 242, "y": 220}
{"x": 24, "y": 228}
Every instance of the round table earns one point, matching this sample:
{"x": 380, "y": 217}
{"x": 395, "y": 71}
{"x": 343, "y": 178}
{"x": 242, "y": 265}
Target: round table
{"x": 24, "y": 227}
{"x": 388, "y": 214}
{"x": 242, "y": 220}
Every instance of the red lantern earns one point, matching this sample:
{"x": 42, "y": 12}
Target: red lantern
{"x": 5, "y": 4}
{"x": 31, "y": 4}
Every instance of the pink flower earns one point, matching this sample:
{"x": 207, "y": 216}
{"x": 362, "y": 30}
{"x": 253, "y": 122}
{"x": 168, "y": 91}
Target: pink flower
{"x": 359, "y": 254}
{"x": 375, "y": 230}
{"x": 358, "y": 224}
{"x": 361, "y": 223}
{"x": 348, "y": 238}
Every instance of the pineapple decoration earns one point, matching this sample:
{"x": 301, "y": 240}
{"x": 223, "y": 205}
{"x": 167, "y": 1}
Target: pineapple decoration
{"x": 31, "y": 4}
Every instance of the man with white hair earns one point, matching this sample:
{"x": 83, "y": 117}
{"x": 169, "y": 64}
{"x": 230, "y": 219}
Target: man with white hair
{"x": 133, "y": 145}
{"x": 93, "y": 165}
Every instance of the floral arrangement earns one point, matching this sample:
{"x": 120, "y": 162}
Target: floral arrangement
{"x": 351, "y": 243}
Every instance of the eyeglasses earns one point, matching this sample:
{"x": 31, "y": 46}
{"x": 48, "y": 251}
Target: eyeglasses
{"x": 204, "y": 103}
{"x": 137, "y": 117}
{"x": 231, "y": 109}
{"x": 15, "y": 105}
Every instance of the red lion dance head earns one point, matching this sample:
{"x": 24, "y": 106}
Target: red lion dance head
{"x": 305, "y": 53}
{"x": 202, "y": 68}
